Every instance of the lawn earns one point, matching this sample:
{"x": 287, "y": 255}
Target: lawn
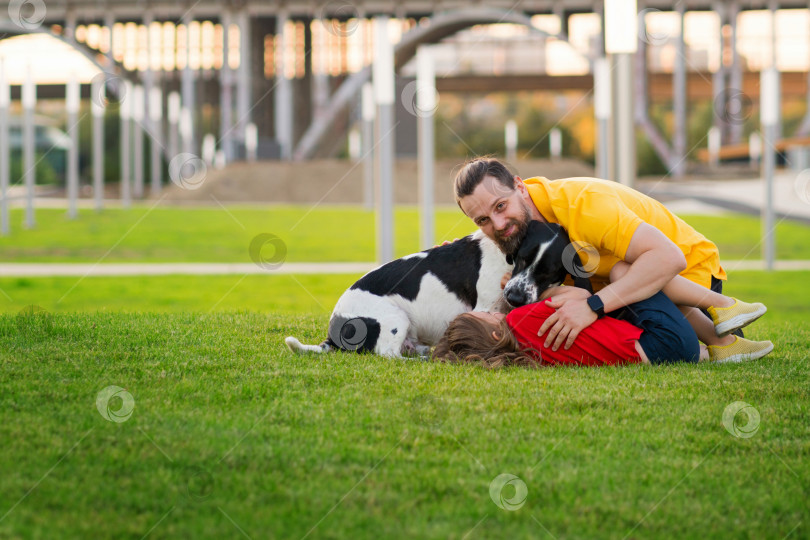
{"x": 170, "y": 234}
{"x": 231, "y": 436}
{"x": 227, "y": 435}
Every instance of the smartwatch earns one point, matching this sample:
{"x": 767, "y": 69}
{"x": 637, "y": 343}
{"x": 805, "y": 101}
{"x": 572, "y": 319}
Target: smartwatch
{"x": 596, "y": 305}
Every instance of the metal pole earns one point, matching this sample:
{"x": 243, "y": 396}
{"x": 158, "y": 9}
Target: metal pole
{"x": 510, "y": 140}
{"x": 625, "y": 126}
{"x": 555, "y": 144}
{"x": 383, "y": 70}
{"x": 156, "y": 146}
{"x": 226, "y": 91}
{"x": 29, "y": 101}
{"x": 137, "y": 133}
{"x": 125, "y": 110}
{"x": 621, "y": 43}
{"x": 187, "y": 90}
{"x": 679, "y": 97}
{"x": 426, "y": 105}
{"x": 72, "y": 106}
{"x": 251, "y": 141}
{"x": 769, "y": 116}
{"x": 97, "y": 109}
{"x": 368, "y": 115}
{"x": 5, "y": 155}
{"x": 283, "y": 98}
{"x": 602, "y": 109}
{"x": 173, "y": 114}
{"x": 243, "y": 81}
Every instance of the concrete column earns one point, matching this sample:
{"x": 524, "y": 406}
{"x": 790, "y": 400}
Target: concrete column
{"x": 773, "y": 6}
{"x": 73, "y": 98}
{"x": 29, "y": 101}
{"x": 679, "y": 98}
{"x": 625, "y": 157}
{"x": 109, "y": 22}
{"x": 383, "y": 75}
{"x": 320, "y": 79}
{"x": 426, "y": 105}
{"x": 719, "y": 77}
{"x": 70, "y": 24}
{"x": 243, "y": 80}
{"x": 226, "y": 92}
{"x": 156, "y": 146}
{"x": 283, "y": 97}
{"x": 736, "y": 72}
{"x": 621, "y": 43}
{"x": 5, "y": 153}
{"x": 187, "y": 91}
{"x": 602, "y": 112}
{"x": 804, "y": 128}
{"x": 125, "y": 111}
{"x": 368, "y": 114}
{"x": 173, "y": 116}
{"x": 137, "y": 146}
{"x": 769, "y": 116}
{"x": 98, "y": 90}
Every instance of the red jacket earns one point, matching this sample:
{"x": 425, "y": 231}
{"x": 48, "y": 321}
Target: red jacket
{"x": 607, "y": 341}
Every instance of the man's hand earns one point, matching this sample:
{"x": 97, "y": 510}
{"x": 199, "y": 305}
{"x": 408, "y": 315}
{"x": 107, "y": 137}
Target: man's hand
{"x": 505, "y": 279}
{"x": 446, "y": 242}
{"x": 572, "y": 315}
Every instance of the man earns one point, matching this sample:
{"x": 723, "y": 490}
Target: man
{"x": 621, "y": 224}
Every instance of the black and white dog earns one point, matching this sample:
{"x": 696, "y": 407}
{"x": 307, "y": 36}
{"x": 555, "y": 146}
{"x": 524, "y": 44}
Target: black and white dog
{"x": 404, "y": 306}
{"x": 544, "y": 259}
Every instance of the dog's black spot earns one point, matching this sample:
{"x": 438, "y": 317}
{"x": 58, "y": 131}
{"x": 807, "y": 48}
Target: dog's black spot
{"x": 457, "y": 265}
{"x": 394, "y": 331}
{"x": 358, "y": 334}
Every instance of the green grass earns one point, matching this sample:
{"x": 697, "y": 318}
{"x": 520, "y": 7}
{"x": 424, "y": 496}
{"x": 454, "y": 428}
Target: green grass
{"x": 232, "y": 436}
{"x": 172, "y": 234}
{"x": 314, "y": 294}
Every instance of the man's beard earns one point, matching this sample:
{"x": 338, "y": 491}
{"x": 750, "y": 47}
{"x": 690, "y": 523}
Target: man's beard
{"x": 509, "y": 245}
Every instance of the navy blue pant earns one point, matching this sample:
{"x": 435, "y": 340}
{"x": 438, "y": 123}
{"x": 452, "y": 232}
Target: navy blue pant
{"x": 667, "y": 336}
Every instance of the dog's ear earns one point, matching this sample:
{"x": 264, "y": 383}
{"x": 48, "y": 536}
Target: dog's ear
{"x": 510, "y": 260}
{"x": 583, "y": 283}
{"x": 580, "y": 280}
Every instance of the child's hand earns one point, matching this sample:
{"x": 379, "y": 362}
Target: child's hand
{"x": 506, "y": 277}
{"x": 446, "y": 242}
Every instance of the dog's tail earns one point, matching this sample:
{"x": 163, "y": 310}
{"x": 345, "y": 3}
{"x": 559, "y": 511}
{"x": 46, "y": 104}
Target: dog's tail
{"x": 300, "y": 348}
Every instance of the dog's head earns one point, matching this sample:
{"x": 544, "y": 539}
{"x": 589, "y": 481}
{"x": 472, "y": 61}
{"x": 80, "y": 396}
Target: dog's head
{"x": 540, "y": 263}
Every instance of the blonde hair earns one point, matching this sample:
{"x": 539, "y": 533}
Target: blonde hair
{"x": 469, "y": 340}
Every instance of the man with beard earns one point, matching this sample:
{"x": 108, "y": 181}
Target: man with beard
{"x": 607, "y": 223}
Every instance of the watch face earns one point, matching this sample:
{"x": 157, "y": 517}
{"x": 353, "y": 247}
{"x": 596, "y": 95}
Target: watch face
{"x": 595, "y": 303}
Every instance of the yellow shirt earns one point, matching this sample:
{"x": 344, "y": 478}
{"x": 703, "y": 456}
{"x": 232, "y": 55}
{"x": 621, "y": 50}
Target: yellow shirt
{"x": 605, "y": 215}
